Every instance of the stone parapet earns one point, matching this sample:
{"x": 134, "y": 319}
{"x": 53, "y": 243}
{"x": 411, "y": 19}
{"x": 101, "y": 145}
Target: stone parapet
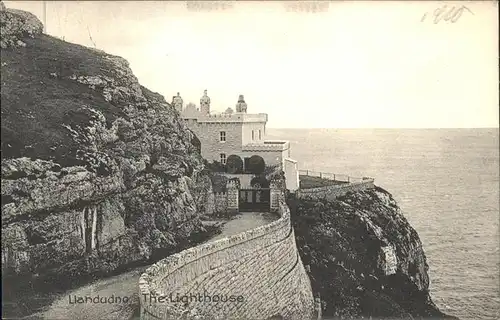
{"x": 225, "y": 117}
{"x": 260, "y": 268}
{"x": 266, "y": 146}
{"x": 334, "y": 191}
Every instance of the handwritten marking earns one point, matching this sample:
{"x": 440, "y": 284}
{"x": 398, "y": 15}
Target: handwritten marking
{"x": 208, "y": 5}
{"x": 307, "y": 6}
{"x": 447, "y": 13}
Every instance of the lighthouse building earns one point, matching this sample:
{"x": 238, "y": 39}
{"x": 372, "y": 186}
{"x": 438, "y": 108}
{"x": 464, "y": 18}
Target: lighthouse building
{"x": 236, "y": 133}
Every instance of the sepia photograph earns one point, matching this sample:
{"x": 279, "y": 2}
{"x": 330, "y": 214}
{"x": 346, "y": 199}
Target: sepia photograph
{"x": 250, "y": 160}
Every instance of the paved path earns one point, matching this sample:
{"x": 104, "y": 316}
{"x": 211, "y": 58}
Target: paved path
{"x": 126, "y": 284}
{"x": 245, "y": 221}
{"x": 123, "y": 285}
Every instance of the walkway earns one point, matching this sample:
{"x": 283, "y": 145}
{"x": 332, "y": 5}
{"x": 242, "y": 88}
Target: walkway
{"x": 245, "y": 221}
{"x": 125, "y": 285}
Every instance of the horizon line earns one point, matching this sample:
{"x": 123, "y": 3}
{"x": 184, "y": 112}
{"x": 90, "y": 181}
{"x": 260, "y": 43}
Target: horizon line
{"x": 381, "y": 128}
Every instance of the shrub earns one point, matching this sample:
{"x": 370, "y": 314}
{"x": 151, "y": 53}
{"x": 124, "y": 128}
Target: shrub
{"x": 196, "y": 142}
{"x": 215, "y": 166}
{"x": 234, "y": 164}
{"x": 256, "y": 164}
{"x": 219, "y": 183}
{"x": 259, "y": 181}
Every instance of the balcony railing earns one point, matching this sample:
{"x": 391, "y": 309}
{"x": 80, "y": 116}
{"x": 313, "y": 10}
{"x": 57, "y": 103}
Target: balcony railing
{"x": 332, "y": 176}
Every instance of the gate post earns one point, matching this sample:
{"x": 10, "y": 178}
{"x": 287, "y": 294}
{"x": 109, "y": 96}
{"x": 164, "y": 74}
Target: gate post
{"x": 232, "y": 196}
{"x": 274, "y": 194}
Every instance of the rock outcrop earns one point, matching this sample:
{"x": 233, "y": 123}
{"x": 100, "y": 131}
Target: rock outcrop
{"x": 97, "y": 171}
{"x": 366, "y": 261}
{"x": 17, "y": 25}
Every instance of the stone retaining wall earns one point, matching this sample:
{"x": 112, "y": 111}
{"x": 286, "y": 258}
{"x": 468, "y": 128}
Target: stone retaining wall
{"x": 332, "y": 192}
{"x": 258, "y": 270}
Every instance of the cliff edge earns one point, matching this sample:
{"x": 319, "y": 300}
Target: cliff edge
{"x": 366, "y": 261}
{"x": 98, "y": 172}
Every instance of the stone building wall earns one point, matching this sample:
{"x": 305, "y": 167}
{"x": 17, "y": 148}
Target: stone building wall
{"x": 332, "y": 192}
{"x": 247, "y": 132}
{"x": 271, "y": 157}
{"x": 258, "y": 270}
{"x": 238, "y": 135}
{"x": 209, "y": 136}
{"x": 291, "y": 174}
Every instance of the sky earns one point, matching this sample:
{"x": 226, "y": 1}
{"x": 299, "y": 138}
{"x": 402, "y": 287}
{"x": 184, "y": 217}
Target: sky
{"x": 354, "y": 65}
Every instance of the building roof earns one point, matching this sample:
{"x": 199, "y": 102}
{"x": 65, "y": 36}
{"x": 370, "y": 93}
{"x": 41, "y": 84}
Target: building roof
{"x": 236, "y": 117}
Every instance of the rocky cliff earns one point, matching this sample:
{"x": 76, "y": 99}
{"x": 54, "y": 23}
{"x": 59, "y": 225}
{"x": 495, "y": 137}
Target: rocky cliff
{"x": 98, "y": 172}
{"x": 365, "y": 259}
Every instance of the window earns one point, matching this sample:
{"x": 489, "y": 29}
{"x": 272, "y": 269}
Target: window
{"x": 260, "y": 136}
{"x": 223, "y": 136}
{"x": 223, "y": 158}
{"x": 253, "y": 138}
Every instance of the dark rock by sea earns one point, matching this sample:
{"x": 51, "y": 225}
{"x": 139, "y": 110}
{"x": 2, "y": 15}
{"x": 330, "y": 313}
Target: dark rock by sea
{"x": 86, "y": 148}
{"x": 345, "y": 244}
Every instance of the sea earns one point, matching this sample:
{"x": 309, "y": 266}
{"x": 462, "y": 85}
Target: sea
{"x": 446, "y": 182}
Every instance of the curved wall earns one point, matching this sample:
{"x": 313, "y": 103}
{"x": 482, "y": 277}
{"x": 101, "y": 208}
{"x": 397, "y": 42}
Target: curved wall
{"x": 258, "y": 274}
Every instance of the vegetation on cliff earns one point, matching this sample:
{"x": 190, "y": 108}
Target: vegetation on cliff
{"x": 98, "y": 172}
{"x": 365, "y": 259}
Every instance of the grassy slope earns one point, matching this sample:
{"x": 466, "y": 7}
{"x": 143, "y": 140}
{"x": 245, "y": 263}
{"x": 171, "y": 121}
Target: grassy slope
{"x": 35, "y": 104}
